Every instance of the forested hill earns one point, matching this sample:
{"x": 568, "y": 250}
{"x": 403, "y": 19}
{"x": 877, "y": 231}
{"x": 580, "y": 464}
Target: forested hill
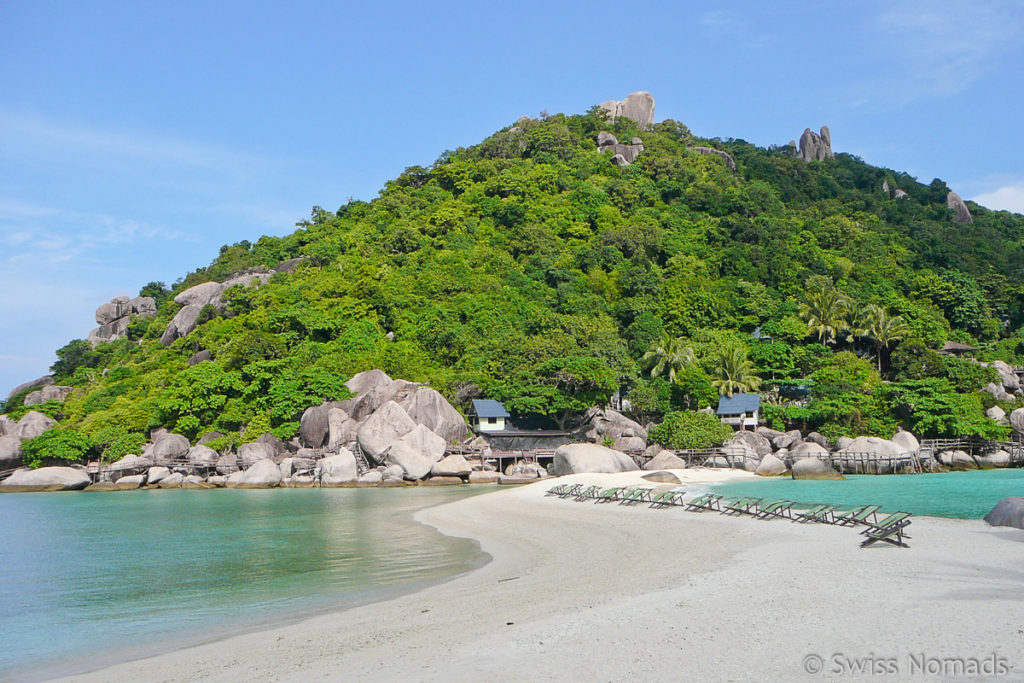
{"x": 532, "y": 269}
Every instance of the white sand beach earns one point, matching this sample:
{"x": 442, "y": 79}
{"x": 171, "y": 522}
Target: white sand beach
{"x": 578, "y": 591}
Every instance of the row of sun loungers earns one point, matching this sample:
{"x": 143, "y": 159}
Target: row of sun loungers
{"x": 889, "y": 529}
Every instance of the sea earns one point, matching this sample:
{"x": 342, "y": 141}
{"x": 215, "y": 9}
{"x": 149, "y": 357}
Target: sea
{"x": 962, "y": 495}
{"x": 91, "y": 579}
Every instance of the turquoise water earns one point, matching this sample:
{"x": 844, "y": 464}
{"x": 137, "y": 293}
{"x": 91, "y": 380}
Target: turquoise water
{"x": 965, "y": 495}
{"x": 91, "y": 578}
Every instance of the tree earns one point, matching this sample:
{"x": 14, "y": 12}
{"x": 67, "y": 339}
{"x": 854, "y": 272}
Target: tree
{"x": 685, "y": 429}
{"x": 56, "y": 444}
{"x": 824, "y": 310}
{"x": 667, "y": 357}
{"x": 735, "y": 373}
{"x": 876, "y": 324}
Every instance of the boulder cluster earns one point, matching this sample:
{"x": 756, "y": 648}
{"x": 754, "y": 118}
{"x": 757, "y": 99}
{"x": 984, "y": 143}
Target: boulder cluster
{"x": 12, "y": 434}
{"x": 1006, "y": 388}
{"x": 725, "y": 156}
{"x": 638, "y": 106}
{"x": 194, "y": 299}
{"x": 955, "y": 203}
{"x": 622, "y": 155}
{"x": 893, "y": 192}
{"x": 814, "y": 146}
{"x": 113, "y": 317}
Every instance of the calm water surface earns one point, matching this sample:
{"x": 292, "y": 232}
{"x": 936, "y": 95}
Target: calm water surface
{"x": 966, "y": 495}
{"x": 92, "y": 578}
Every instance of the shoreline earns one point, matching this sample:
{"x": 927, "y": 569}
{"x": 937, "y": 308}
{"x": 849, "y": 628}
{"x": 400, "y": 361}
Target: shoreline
{"x": 576, "y": 590}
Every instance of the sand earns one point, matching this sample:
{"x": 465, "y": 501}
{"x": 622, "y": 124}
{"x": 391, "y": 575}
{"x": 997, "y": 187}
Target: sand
{"x": 578, "y": 591}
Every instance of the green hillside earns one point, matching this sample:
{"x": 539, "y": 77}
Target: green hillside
{"x": 531, "y": 269}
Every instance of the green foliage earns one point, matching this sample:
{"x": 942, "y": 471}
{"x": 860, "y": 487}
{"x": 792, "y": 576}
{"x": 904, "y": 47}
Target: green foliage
{"x": 933, "y": 408}
{"x": 57, "y": 445}
{"x": 686, "y": 429}
{"x": 532, "y": 268}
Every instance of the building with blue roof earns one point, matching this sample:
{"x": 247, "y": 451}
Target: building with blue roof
{"x": 489, "y": 415}
{"x": 740, "y": 410}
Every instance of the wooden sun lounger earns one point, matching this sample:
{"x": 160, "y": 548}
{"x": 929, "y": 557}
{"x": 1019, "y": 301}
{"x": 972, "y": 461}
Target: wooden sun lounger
{"x": 672, "y": 497}
{"x": 859, "y": 515}
{"x": 609, "y": 495}
{"x": 634, "y": 496}
{"x": 817, "y": 513}
{"x": 889, "y": 530}
{"x": 777, "y": 508}
{"x": 709, "y": 501}
{"x": 741, "y": 506}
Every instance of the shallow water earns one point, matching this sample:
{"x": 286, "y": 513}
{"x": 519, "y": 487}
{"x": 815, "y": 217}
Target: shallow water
{"x": 964, "y": 495}
{"x": 92, "y": 578}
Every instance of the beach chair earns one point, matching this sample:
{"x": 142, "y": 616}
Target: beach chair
{"x": 609, "y": 495}
{"x": 668, "y": 498}
{"x": 708, "y": 501}
{"x": 587, "y": 493}
{"x": 557, "y": 490}
{"x": 776, "y": 508}
{"x": 634, "y": 496}
{"x": 817, "y": 513}
{"x": 740, "y": 506}
{"x": 889, "y": 530}
{"x": 859, "y": 515}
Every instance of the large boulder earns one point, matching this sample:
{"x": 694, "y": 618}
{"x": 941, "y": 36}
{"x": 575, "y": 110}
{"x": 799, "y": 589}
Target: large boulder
{"x": 955, "y": 203}
{"x": 172, "y": 481}
{"x": 627, "y": 434}
{"x": 32, "y": 424}
{"x": 907, "y": 442}
{"x": 812, "y": 468}
{"x": 730, "y": 163}
{"x": 1007, "y": 512}
{"x": 580, "y": 458}
{"x": 808, "y": 449}
{"x": 957, "y": 460}
{"x": 368, "y": 389}
{"x": 227, "y": 464}
{"x": 131, "y": 462}
{"x": 156, "y": 473}
{"x": 815, "y": 437}
{"x": 52, "y": 392}
{"x": 998, "y": 458}
{"x": 429, "y": 408}
{"x": 875, "y": 447}
{"x": 336, "y": 470}
{"x": 453, "y": 465}
{"x": 201, "y": 294}
{"x": 416, "y": 451}
{"x": 998, "y": 392}
{"x": 37, "y": 383}
{"x": 169, "y": 446}
{"x": 665, "y": 460}
{"x": 770, "y": 466}
{"x": 132, "y": 481}
{"x": 1007, "y": 376}
{"x": 757, "y": 443}
{"x": 997, "y": 414}
{"x": 263, "y": 474}
{"x": 638, "y": 106}
{"x": 1016, "y": 420}
{"x": 341, "y": 429}
{"x": 183, "y": 322}
{"x": 46, "y": 479}
{"x": 10, "y": 452}
{"x": 314, "y": 426}
{"x": 815, "y": 146}
{"x": 7, "y": 426}
{"x": 203, "y": 456}
{"x": 381, "y": 429}
{"x": 251, "y": 453}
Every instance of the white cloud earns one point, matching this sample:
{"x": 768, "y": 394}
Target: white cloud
{"x": 1005, "y": 198}
{"x": 940, "y": 47}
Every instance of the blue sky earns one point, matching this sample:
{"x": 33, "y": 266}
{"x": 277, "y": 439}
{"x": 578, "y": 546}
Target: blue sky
{"x": 136, "y": 138}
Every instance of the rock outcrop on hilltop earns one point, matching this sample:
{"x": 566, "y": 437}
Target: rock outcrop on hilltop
{"x": 194, "y": 299}
{"x": 606, "y": 142}
{"x": 955, "y": 203}
{"x": 725, "y": 156}
{"x": 638, "y": 106}
{"x": 113, "y": 317}
{"x": 814, "y": 146}
{"x": 38, "y": 383}
{"x": 51, "y": 392}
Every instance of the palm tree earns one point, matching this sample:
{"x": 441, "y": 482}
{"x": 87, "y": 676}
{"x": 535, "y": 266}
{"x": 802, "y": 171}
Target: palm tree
{"x": 667, "y": 356}
{"x": 734, "y": 372}
{"x": 824, "y": 310}
{"x": 875, "y": 323}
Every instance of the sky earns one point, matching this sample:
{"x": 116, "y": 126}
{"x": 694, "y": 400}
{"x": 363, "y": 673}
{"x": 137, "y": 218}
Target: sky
{"x": 137, "y": 138}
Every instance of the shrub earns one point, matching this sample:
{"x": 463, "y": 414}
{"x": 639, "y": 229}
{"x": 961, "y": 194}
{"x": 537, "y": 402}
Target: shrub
{"x": 56, "y": 444}
{"x": 690, "y": 430}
